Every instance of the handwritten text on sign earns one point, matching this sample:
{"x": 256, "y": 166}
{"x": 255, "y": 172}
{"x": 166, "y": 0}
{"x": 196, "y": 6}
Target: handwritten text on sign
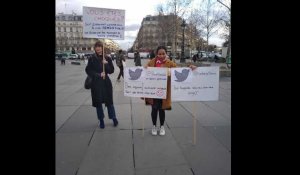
{"x": 141, "y": 82}
{"x": 201, "y": 84}
{"x": 103, "y": 23}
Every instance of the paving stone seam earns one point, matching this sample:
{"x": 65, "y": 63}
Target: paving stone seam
{"x": 217, "y": 111}
{"x": 162, "y": 166}
{"x": 71, "y": 94}
{"x": 91, "y": 137}
{"x": 73, "y": 105}
{"x": 192, "y": 171}
{"x": 132, "y": 136}
{"x": 68, "y": 119}
{"x": 181, "y": 150}
{"x": 203, "y": 127}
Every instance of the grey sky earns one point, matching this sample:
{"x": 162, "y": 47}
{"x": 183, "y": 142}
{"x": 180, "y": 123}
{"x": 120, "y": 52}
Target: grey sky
{"x": 133, "y": 15}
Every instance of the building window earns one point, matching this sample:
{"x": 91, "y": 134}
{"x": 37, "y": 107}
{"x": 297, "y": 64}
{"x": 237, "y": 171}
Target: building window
{"x": 71, "y": 30}
{"x": 59, "y": 29}
{"x": 65, "y": 30}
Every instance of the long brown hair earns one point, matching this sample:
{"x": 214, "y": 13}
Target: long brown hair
{"x": 100, "y": 44}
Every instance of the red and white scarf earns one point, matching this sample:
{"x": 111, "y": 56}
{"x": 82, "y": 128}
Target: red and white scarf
{"x": 159, "y": 62}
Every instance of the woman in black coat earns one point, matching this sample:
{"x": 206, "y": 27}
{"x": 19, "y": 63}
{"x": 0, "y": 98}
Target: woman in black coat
{"x": 137, "y": 59}
{"x": 101, "y": 88}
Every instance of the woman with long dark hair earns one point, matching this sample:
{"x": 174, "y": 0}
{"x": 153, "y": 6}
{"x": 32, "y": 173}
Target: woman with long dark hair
{"x": 98, "y": 68}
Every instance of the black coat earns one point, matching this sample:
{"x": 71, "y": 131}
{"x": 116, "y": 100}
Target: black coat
{"x": 137, "y": 60}
{"x": 101, "y": 90}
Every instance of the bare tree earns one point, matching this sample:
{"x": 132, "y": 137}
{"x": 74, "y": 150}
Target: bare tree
{"x": 195, "y": 32}
{"x": 209, "y": 18}
{"x": 227, "y": 24}
{"x": 227, "y": 6}
{"x": 178, "y": 8}
{"x": 161, "y": 9}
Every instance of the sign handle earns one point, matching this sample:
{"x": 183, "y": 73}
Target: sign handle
{"x": 194, "y": 123}
{"x": 103, "y": 59}
{"x": 143, "y": 122}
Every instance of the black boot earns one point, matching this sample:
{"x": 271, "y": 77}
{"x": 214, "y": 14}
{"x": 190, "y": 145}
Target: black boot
{"x": 115, "y": 121}
{"x": 102, "y": 124}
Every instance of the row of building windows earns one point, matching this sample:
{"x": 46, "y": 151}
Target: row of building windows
{"x": 63, "y": 42}
{"x": 80, "y": 41}
{"x": 67, "y": 29}
{"x": 156, "y": 18}
{"x": 68, "y": 18}
{"x": 76, "y": 48}
{"x": 74, "y": 38}
{"x": 69, "y": 34}
{"x": 68, "y": 24}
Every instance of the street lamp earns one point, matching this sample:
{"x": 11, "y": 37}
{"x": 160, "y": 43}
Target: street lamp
{"x": 183, "y": 25}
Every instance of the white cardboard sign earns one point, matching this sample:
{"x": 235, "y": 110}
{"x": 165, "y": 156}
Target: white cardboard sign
{"x": 103, "y": 23}
{"x": 141, "y": 82}
{"x": 201, "y": 84}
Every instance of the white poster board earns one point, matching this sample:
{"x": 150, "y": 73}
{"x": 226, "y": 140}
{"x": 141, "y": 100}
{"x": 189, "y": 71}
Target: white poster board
{"x": 103, "y": 23}
{"x": 201, "y": 84}
{"x": 224, "y": 51}
{"x": 141, "y": 82}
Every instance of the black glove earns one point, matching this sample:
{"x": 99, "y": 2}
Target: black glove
{"x": 97, "y": 75}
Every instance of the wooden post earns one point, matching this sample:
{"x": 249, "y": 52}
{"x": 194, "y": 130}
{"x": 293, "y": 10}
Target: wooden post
{"x": 194, "y": 123}
{"x": 143, "y": 124}
{"x": 103, "y": 57}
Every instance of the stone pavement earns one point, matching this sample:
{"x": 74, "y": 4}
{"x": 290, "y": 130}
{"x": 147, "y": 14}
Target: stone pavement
{"x": 82, "y": 148}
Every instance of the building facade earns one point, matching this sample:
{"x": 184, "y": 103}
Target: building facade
{"x": 69, "y": 30}
{"x": 166, "y": 30}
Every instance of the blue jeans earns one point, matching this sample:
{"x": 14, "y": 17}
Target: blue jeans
{"x": 110, "y": 110}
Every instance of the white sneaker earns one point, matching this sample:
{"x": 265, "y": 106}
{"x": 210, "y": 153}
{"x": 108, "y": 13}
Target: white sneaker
{"x": 154, "y": 130}
{"x": 162, "y": 131}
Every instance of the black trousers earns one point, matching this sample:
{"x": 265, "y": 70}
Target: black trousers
{"x": 121, "y": 72}
{"x": 156, "y": 108}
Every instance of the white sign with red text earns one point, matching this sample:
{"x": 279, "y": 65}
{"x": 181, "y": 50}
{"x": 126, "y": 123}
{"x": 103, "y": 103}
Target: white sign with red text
{"x": 103, "y": 23}
{"x": 141, "y": 82}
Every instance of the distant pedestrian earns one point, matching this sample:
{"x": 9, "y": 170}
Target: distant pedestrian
{"x": 62, "y": 60}
{"x": 85, "y": 60}
{"x": 196, "y": 57}
{"x": 137, "y": 59}
{"x": 119, "y": 61}
{"x": 152, "y": 55}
